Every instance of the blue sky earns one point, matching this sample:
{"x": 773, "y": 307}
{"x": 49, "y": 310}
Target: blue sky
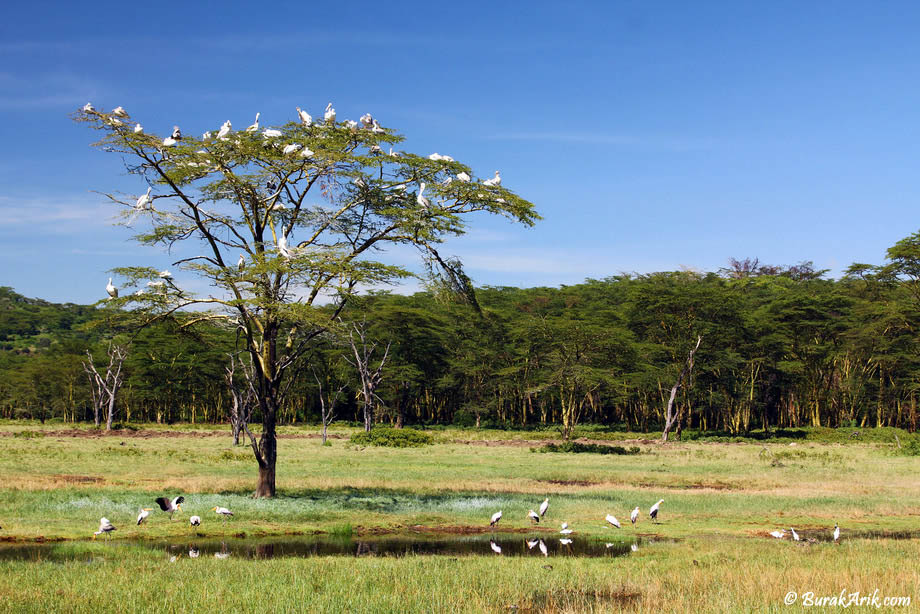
{"x": 650, "y": 136}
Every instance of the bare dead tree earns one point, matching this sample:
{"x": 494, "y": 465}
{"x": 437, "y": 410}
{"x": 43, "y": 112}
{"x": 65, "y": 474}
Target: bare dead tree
{"x": 671, "y": 415}
{"x": 370, "y": 380}
{"x": 327, "y": 413}
{"x": 243, "y": 396}
{"x": 105, "y": 388}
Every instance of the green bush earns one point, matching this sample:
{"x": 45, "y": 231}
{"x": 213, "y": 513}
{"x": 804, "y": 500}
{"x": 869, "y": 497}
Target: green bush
{"x": 589, "y": 448}
{"x": 29, "y": 434}
{"x": 392, "y": 438}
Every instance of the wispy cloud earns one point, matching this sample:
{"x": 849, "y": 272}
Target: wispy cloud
{"x": 52, "y": 214}
{"x": 19, "y": 92}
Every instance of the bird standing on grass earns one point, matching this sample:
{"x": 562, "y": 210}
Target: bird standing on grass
{"x": 170, "y": 506}
{"x": 105, "y": 527}
{"x": 534, "y": 516}
{"x": 145, "y": 511}
{"x": 653, "y": 513}
{"x": 223, "y": 512}
{"x": 795, "y": 536}
{"x": 836, "y": 533}
{"x": 635, "y": 515}
{"x": 543, "y": 507}
{"x": 565, "y": 529}
{"x": 195, "y": 521}
{"x": 495, "y": 518}
{"x": 778, "y": 534}
{"x": 612, "y": 520}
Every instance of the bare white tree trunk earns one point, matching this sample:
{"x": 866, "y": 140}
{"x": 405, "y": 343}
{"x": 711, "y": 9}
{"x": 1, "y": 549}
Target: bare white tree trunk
{"x": 327, "y": 413}
{"x": 670, "y": 414}
{"x": 242, "y": 400}
{"x": 369, "y": 379}
{"x": 105, "y": 388}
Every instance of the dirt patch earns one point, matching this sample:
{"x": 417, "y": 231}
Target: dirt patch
{"x": 571, "y": 482}
{"x": 580, "y": 600}
{"x": 537, "y": 443}
{"x": 154, "y": 434}
{"x": 692, "y": 486}
{"x": 76, "y": 479}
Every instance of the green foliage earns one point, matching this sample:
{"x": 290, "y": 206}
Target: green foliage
{"x": 28, "y": 434}
{"x": 575, "y": 447}
{"x": 392, "y": 438}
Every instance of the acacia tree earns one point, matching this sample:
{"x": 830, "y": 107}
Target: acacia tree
{"x": 281, "y": 218}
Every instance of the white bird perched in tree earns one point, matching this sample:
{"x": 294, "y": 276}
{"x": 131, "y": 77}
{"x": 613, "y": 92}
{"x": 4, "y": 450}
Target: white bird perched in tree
{"x": 112, "y": 290}
{"x": 778, "y": 534}
{"x": 254, "y": 125}
{"x": 143, "y": 200}
{"x": 165, "y": 504}
{"x": 105, "y": 527}
{"x": 376, "y": 128}
{"x": 653, "y": 513}
{"x": 795, "y": 536}
{"x": 304, "y": 117}
{"x": 114, "y": 121}
{"x": 289, "y": 149}
{"x": 156, "y": 284}
{"x": 836, "y": 533}
{"x": 283, "y": 248}
{"x": 351, "y": 124}
{"x": 176, "y": 133}
{"x": 565, "y": 541}
{"x": 195, "y": 521}
{"x": 329, "y": 115}
{"x": 206, "y": 136}
{"x": 224, "y": 130}
{"x": 533, "y": 516}
{"x": 165, "y": 274}
{"x": 223, "y": 512}
{"x": 543, "y": 507}
{"x": 494, "y": 181}
{"x": 169, "y": 141}
{"x": 307, "y": 153}
{"x": 367, "y": 120}
{"x": 635, "y": 515}
{"x": 543, "y": 548}
{"x": 88, "y": 107}
{"x": 393, "y": 154}
{"x": 120, "y": 112}
{"x": 495, "y": 518}
{"x": 142, "y": 516}
{"x": 612, "y": 520}
{"x": 463, "y": 176}
{"x": 271, "y": 133}
{"x": 138, "y": 128}
{"x": 421, "y": 199}
{"x": 495, "y": 547}
{"x": 241, "y": 263}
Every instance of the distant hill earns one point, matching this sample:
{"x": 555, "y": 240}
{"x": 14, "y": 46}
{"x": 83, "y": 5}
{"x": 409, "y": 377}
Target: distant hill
{"x": 30, "y": 324}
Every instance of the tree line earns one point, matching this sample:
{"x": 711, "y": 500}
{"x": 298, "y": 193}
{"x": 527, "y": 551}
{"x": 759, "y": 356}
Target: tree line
{"x": 780, "y": 347}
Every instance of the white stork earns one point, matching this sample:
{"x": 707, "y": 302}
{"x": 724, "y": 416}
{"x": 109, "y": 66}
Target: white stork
{"x": 635, "y": 515}
{"x": 533, "y": 516}
{"x": 223, "y": 512}
{"x": 145, "y": 511}
{"x": 195, "y": 521}
{"x": 495, "y": 518}
{"x": 653, "y": 513}
{"x": 170, "y": 506}
{"x": 545, "y": 505}
{"x": 836, "y": 533}
{"x": 612, "y": 520}
{"x": 112, "y": 290}
{"x": 253, "y": 126}
{"x": 304, "y": 117}
{"x": 795, "y": 536}
{"x": 494, "y": 181}
{"x": 329, "y": 115}
{"x": 120, "y": 112}
{"x": 105, "y": 527}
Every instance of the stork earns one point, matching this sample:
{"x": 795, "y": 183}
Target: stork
{"x": 170, "y": 506}
{"x": 495, "y": 518}
{"x": 635, "y": 515}
{"x": 653, "y": 513}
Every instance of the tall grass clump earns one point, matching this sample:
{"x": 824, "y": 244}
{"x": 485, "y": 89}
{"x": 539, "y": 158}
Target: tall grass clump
{"x": 392, "y": 438}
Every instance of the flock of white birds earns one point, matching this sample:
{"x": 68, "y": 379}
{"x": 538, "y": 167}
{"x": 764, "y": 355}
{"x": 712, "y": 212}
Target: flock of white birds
{"x": 169, "y": 506}
{"x": 367, "y": 121}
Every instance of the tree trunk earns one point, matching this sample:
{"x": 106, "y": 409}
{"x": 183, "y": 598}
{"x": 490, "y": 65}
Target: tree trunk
{"x": 670, "y": 415}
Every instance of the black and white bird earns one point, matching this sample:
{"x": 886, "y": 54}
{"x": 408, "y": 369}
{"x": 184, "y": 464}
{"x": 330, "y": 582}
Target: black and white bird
{"x": 535, "y": 517}
{"x": 635, "y": 515}
{"x": 170, "y": 506}
{"x": 142, "y": 516}
{"x": 105, "y": 527}
{"x": 193, "y": 553}
{"x": 495, "y": 518}
{"x": 422, "y": 200}
{"x": 223, "y": 512}
{"x": 112, "y": 290}
{"x": 545, "y": 505}
{"x": 612, "y": 520}
{"x": 241, "y": 263}
{"x": 836, "y": 533}
{"x": 195, "y": 521}
{"x": 531, "y": 543}
{"x": 653, "y": 513}
{"x": 176, "y": 133}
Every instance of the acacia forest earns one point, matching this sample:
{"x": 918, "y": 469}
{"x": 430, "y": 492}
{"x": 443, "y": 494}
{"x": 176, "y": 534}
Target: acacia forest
{"x": 781, "y": 346}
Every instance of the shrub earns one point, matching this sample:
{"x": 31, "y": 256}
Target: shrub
{"x": 392, "y": 438}
{"x": 589, "y": 448}
{"x": 29, "y": 434}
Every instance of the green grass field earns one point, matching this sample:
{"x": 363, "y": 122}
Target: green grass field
{"x": 720, "y": 501}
